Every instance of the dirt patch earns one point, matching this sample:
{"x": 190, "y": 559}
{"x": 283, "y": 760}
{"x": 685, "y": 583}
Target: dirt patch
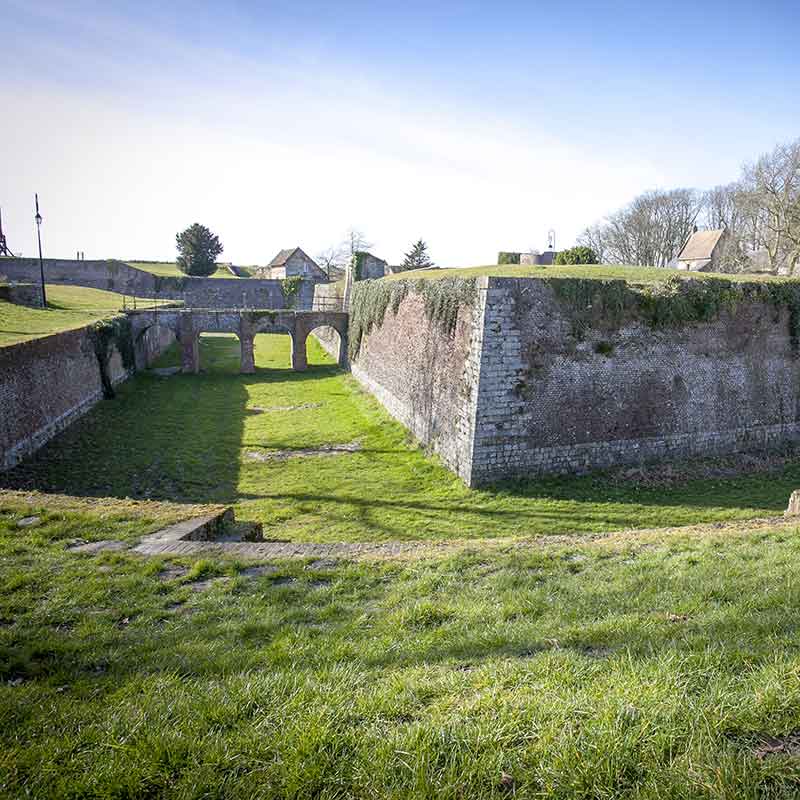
{"x": 323, "y": 563}
{"x": 97, "y": 547}
{"x": 284, "y": 581}
{"x": 172, "y": 573}
{"x": 257, "y": 572}
{"x": 788, "y": 745}
{"x": 703, "y": 469}
{"x": 301, "y": 407}
{"x": 207, "y": 583}
{"x": 305, "y": 452}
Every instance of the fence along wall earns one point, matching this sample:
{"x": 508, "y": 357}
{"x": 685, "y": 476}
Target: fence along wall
{"x": 549, "y": 395}
{"x": 116, "y": 276}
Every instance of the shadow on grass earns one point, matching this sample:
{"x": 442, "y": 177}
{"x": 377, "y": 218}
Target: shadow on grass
{"x": 182, "y": 439}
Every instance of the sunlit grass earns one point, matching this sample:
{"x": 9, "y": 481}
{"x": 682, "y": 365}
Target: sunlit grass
{"x": 68, "y": 307}
{"x": 228, "y": 438}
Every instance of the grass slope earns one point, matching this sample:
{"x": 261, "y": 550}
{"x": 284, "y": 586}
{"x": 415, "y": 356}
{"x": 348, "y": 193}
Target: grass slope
{"x": 598, "y": 271}
{"x": 651, "y": 667}
{"x": 170, "y": 269}
{"x": 203, "y": 439}
{"x": 68, "y": 307}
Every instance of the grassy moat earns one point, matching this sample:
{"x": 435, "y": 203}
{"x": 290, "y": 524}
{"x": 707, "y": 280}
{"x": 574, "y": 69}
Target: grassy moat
{"x": 641, "y": 664}
{"x": 262, "y": 442}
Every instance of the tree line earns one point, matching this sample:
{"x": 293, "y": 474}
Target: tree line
{"x": 760, "y": 212}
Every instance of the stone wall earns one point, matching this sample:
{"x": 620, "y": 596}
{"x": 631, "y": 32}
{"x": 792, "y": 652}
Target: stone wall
{"x": 426, "y": 378}
{"x": 117, "y": 276}
{"x": 547, "y": 395}
{"x": 45, "y": 384}
{"x": 22, "y": 294}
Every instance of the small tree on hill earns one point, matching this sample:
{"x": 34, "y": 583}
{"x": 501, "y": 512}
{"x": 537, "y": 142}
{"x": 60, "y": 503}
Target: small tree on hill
{"x": 198, "y": 249}
{"x": 577, "y": 255}
{"x": 417, "y": 257}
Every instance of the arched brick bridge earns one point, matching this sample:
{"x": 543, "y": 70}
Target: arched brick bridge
{"x": 188, "y": 324}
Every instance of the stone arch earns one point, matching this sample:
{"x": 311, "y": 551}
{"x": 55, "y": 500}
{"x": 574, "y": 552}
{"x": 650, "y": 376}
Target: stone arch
{"x": 282, "y": 323}
{"x": 332, "y": 339}
{"x": 150, "y": 342}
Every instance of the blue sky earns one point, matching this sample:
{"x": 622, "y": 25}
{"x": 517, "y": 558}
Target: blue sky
{"x": 478, "y": 126}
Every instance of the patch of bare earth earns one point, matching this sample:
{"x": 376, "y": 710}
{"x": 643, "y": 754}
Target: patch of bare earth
{"x": 787, "y": 745}
{"x": 300, "y": 407}
{"x": 305, "y": 452}
{"x": 703, "y": 469}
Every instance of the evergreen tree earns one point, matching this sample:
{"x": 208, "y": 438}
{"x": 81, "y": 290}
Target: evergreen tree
{"x": 417, "y": 257}
{"x": 198, "y": 249}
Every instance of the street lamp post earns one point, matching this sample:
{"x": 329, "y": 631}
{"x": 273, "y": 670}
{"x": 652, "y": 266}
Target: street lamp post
{"x": 38, "y": 219}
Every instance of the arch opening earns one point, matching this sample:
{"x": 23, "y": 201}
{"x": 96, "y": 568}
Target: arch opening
{"x": 219, "y": 352}
{"x": 156, "y": 344}
{"x": 325, "y": 346}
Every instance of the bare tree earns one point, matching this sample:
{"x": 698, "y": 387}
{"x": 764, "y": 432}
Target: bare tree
{"x": 649, "y": 231}
{"x": 333, "y": 260}
{"x": 356, "y": 242}
{"x": 771, "y": 194}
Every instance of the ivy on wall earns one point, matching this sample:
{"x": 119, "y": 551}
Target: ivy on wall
{"x": 358, "y": 265}
{"x": 372, "y": 298}
{"x": 105, "y": 335}
{"x": 608, "y": 305}
{"x": 291, "y": 287}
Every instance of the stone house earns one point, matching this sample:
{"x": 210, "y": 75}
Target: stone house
{"x": 702, "y": 252}
{"x": 371, "y": 266}
{"x": 292, "y": 262}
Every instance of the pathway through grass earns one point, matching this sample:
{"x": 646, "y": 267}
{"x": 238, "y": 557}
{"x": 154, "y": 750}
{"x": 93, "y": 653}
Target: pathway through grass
{"x": 229, "y": 438}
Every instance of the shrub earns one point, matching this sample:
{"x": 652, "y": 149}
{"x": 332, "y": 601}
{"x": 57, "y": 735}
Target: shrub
{"x": 504, "y": 257}
{"x": 577, "y": 255}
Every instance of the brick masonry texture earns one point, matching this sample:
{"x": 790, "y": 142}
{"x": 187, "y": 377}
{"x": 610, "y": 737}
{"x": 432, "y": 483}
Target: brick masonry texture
{"x": 116, "y": 276}
{"x": 22, "y": 294}
{"x": 425, "y": 378}
{"x": 516, "y": 393}
{"x": 45, "y": 384}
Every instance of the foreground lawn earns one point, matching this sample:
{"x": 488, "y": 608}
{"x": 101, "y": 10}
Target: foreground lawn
{"x": 650, "y": 666}
{"x": 598, "y": 271}
{"x": 68, "y": 307}
{"x": 259, "y": 442}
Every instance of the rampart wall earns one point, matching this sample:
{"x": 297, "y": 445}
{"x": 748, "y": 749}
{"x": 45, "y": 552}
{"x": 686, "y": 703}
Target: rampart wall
{"x": 45, "y": 384}
{"x": 117, "y": 276}
{"x": 537, "y": 379}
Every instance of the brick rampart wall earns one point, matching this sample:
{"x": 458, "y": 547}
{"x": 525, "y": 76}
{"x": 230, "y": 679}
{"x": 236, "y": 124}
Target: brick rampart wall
{"x": 45, "y": 384}
{"x": 426, "y": 378}
{"x": 545, "y": 399}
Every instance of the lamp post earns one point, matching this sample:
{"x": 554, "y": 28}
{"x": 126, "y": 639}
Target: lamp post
{"x": 38, "y": 219}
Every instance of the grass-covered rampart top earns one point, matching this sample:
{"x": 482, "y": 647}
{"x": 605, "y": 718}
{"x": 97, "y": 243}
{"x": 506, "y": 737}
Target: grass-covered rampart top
{"x": 371, "y": 300}
{"x": 68, "y": 307}
{"x": 603, "y": 272}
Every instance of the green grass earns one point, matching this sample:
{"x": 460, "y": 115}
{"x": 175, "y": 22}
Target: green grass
{"x": 599, "y": 271}
{"x": 68, "y": 307}
{"x": 170, "y": 269}
{"x": 639, "y": 667}
{"x": 200, "y": 438}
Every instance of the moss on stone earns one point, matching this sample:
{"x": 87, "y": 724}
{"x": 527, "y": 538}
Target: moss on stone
{"x": 105, "y": 333}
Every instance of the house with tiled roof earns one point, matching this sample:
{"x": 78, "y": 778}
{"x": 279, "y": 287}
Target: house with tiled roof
{"x": 292, "y": 262}
{"x": 702, "y": 251}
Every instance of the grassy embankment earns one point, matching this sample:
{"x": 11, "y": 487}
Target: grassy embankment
{"x": 598, "y": 271}
{"x": 227, "y": 438}
{"x": 645, "y": 666}
{"x": 170, "y": 269}
{"x": 68, "y": 307}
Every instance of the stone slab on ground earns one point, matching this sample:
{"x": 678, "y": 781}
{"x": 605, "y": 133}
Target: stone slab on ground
{"x": 98, "y": 547}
